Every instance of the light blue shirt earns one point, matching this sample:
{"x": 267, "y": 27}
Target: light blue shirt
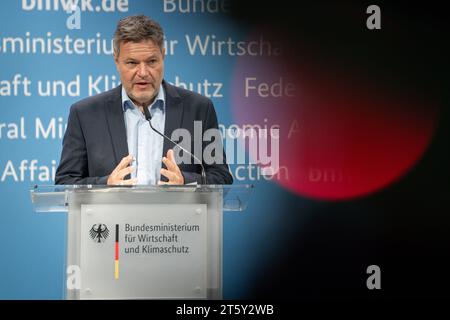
{"x": 144, "y": 144}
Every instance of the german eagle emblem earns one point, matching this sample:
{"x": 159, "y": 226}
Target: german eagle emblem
{"x": 99, "y": 232}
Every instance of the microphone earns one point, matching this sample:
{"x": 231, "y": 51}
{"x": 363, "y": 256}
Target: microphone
{"x": 148, "y": 117}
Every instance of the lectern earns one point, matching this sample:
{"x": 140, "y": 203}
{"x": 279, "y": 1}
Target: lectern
{"x": 143, "y": 242}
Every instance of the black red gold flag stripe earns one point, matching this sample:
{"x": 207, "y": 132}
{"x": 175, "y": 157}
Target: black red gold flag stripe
{"x": 116, "y": 258}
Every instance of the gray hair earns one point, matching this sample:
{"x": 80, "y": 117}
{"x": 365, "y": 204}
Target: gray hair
{"x": 136, "y": 29}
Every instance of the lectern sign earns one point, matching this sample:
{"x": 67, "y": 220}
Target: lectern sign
{"x": 143, "y": 251}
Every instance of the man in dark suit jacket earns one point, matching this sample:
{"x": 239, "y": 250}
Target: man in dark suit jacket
{"x": 95, "y": 146}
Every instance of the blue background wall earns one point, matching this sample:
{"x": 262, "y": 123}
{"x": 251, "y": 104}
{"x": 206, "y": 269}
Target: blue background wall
{"x": 32, "y": 245}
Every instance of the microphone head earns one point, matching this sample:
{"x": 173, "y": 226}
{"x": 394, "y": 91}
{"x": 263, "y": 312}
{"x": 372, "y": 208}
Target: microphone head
{"x": 147, "y": 114}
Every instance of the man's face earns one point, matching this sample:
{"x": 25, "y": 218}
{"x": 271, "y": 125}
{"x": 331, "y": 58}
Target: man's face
{"x": 141, "y": 68}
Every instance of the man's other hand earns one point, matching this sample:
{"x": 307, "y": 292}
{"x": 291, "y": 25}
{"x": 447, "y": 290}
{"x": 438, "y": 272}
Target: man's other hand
{"x": 173, "y": 172}
{"x": 116, "y": 178}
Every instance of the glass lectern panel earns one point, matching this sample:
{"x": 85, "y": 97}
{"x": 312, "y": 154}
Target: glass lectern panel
{"x": 143, "y": 242}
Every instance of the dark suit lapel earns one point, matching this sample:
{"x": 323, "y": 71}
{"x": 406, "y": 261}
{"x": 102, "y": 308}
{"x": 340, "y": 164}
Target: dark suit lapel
{"x": 116, "y": 124}
{"x": 174, "y": 114}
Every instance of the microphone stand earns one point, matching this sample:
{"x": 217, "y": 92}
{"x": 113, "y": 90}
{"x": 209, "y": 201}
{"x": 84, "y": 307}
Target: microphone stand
{"x": 148, "y": 117}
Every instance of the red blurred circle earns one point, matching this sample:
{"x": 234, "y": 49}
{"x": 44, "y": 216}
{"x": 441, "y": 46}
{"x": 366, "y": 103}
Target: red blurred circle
{"x": 341, "y": 135}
